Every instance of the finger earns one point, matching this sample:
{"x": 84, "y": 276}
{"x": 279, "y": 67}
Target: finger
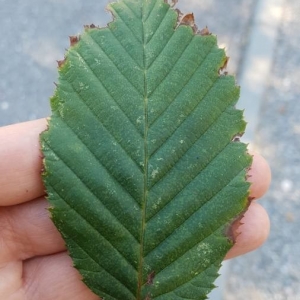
{"x": 45, "y": 277}
{"x": 260, "y": 176}
{"x": 21, "y": 164}
{"x": 52, "y": 278}
{"x": 252, "y": 233}
{"x": 27, "y": 231}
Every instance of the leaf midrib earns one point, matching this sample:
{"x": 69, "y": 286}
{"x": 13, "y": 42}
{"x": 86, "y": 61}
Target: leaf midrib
{"x": 146, "y": 160}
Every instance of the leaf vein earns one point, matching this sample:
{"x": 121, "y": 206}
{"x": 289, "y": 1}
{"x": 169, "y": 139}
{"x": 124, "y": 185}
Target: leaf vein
{"x": 129, "y": 53}
{"x": 188, "y": 78}
{"x": 183, "y": 121}
{"x": 150, "y": 12}
{"x": 92, "y": 258}
{"x": 205, "y": 269}
{"x": 115, "y": 65}
{"x": 175, "y": 162}
{"x": 102, "y": 164}
{"x": 92, "y": 111}
{"x": 157, "y": 29}
{"x": 115, "y": 101}
{"x": 130, "y": 9}
{"x": 196, "y": 210}
{"x": 145, "y": 178}
{"x": 190, "y": 181}
{"x": 133, "y": 33}
{"x": 161, "y": 51}
{"x": 169, "y": 72}
{"x": 90, "y": 190}
{"x": 187, "y": 281}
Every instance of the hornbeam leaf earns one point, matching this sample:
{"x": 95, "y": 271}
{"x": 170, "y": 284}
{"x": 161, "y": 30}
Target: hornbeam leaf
{"x": 142, "y": 168}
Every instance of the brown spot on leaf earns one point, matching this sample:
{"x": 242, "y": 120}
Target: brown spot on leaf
{"x": 225, "y": 62}
{"x": 205, "y": 31}
{"x": 92, "y": 26}
{"x": 150, "y": 278}
{"x": 180, "y": 15}
{"x": 61, "y": 62}
{"x": 248, "y": 176}
{"x": 237, "y": 137}
{"x": 148, "y": 297}
{"x": 73, "y": 40}
{"x": 188, "y": 19}
{"x": 222, "y": 70}
{"x": 233, "y": 230}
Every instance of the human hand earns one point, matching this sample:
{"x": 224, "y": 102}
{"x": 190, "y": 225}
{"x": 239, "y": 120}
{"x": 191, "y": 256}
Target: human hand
{"x": 34, "y": 264}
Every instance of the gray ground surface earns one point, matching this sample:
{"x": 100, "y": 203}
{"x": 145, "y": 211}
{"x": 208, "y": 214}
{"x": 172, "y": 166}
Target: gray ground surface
{"x": 34, "y": 35}
{"x": 273, "y": 272}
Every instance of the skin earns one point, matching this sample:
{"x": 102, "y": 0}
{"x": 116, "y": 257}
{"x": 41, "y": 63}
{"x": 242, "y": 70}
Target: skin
{"x": 34, "y": 264}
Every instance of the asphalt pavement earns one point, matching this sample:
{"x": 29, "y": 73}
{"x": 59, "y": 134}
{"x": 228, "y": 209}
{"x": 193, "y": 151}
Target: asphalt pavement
{"x": 34, "y": 34}
{"x": 273, "y": 271}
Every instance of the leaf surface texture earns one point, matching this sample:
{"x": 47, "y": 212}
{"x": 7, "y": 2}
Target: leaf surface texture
{"x": 141, "y": 169}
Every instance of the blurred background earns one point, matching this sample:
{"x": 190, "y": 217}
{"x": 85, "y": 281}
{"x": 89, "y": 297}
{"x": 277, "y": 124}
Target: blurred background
{"x": 263, "y": 41}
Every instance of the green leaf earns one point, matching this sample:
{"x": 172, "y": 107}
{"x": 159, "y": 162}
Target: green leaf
{"x": 142, "y": 168}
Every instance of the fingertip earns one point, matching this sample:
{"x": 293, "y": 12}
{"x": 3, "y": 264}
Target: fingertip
{"x": 260, "y": 176}
{"x": 21, "y": 162}
{"x": 251, "y": 232}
